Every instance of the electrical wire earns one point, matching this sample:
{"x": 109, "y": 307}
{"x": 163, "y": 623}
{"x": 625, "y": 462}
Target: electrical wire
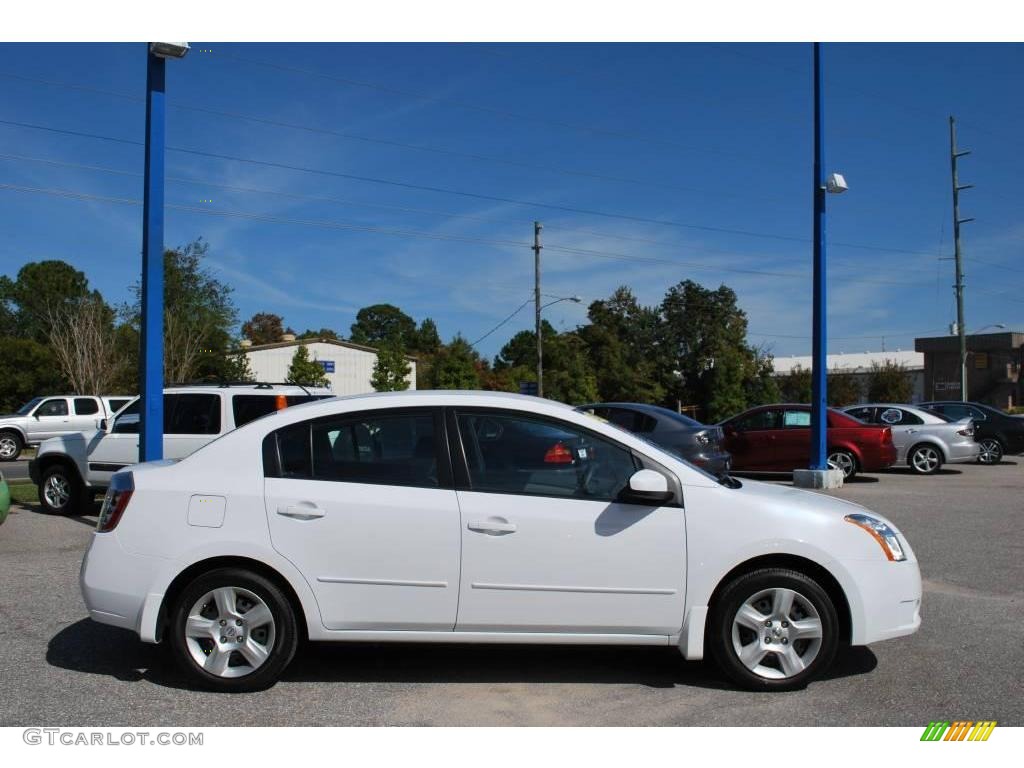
{"x": 519, "y": 309}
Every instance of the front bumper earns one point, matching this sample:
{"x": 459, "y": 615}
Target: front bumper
{"x": 115, "y": 583}
{"x": 888, "y": 599}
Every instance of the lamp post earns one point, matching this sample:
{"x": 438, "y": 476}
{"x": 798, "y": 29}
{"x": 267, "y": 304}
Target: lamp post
{"x": 540, "y": 337}
{"x": 835, "y": 183}
{"x": 151, "y": 340}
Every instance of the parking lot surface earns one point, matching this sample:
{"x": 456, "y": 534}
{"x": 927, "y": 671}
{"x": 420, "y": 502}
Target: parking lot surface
{"x": 966, "y": 662}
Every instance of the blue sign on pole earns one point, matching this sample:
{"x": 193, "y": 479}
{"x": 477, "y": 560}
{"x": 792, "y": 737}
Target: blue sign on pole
{"x": 819, "y": 344}
{"x": 151, "y": 341}
{"x": 327, "y": 365}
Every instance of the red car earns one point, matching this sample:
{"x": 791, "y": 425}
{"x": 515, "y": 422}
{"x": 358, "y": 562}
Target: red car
{"x": 777, "y": 438}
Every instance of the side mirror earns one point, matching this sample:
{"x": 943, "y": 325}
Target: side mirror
{"x": 36, "y": 415}
{"x": 102, "y": 424}
{"x": 647, "y": 487}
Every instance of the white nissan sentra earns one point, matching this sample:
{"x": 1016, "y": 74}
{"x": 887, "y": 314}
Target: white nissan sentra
{"x": 486, "y": 518}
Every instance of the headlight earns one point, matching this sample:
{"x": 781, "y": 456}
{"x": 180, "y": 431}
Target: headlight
{"x": 882, "y": 533}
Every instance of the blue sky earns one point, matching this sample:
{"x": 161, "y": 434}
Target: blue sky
{"x": 684, "y": 147}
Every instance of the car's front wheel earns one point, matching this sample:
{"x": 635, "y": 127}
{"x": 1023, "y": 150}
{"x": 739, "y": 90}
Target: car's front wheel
{"x": 10, "y": 445}
{"x": 233, "y": 630}
{"x": 60, "y": 491}
{"x": 773, "y": 629}
{"x": 991, "y": 451}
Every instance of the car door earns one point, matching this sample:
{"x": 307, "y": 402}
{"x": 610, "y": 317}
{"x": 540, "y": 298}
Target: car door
{"x": 750, "y": 438}
{"x": 546, "y": 546}
{"x": 363, "y": 505}
{"x": 118, "y": 447}
{"x": 86, "y": 414}
{"x": 191, "y": 420}
{"x": 51, "y": 418}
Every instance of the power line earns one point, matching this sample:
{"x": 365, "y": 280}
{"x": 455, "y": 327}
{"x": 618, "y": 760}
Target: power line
{"x": 461, "y": 193}
{"x": 519, "y": 309}
{"x": 395, "y": 144}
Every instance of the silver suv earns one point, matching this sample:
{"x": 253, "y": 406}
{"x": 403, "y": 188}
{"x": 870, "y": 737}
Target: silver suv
{"x": 44, "y": 417}
{"x": 71, "y": 469}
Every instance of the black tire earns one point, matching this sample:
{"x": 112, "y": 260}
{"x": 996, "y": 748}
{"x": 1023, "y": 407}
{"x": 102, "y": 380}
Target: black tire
{"x": 992, "y": 451}
{"x": 58, "y": 476}
{"x": 924, "y": 447}
{"x": 720, "y": 637}
{"x": 854, "y": 465}
{"x": 12, "y": 445}
{"x": 286, "y": 633}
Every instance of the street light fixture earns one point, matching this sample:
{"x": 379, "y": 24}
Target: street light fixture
{"x": 151, "y": 338}
{"x": 540, "y": 337}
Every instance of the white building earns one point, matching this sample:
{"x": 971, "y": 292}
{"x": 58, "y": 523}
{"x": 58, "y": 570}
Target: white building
{"x": 859, "y": 363}
{"x": 348, "y": 366}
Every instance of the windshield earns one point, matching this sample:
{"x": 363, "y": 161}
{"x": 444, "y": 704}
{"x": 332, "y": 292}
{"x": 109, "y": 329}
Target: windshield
{"x": 23, "y": 411}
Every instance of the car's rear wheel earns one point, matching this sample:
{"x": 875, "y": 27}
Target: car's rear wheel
{"x": 844, "y": 460}
{"x": 991, "y": 451}
{"x": 773, "y": 629}
{"x": 10, "y": 445}
{"x": 60, "y": 491}
{"x": 233, "y": 630}
{"x": 925, "y": 459}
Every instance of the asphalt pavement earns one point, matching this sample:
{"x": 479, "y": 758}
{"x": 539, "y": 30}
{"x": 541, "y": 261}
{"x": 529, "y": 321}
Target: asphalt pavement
{"x": 966, "y": 662}
{"x": 14, "y": 471}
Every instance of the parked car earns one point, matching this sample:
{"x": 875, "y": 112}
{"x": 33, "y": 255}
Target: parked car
{"x": 482, "y": 517}
{"x": 698, "y": 443}
{"x": 44, "y": 417}
{"x": 777, "y": 438}
{"x": 998, "y": 433}
{"x": 70, "y": 470}
{"x": 924, "y": 440}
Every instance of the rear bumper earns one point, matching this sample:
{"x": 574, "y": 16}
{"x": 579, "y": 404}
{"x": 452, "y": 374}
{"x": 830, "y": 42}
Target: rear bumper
{"x": 963, "y": 451}
{"x": 114, "y": 583}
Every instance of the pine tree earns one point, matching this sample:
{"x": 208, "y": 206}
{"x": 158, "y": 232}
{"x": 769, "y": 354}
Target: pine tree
{"x": 308, "y": 373}
{"x": 391, "y": 370}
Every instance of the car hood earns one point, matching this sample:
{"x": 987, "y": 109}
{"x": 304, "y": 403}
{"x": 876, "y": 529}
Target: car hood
{"x": 799, "y": 501}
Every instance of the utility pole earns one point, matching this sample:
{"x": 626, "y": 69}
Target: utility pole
{"x": 961, "y": 330}
{"x": 537, "y": 227}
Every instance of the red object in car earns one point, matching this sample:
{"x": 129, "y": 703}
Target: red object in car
{"x": 558, "y": 454}
{"x": 777, "y": 438}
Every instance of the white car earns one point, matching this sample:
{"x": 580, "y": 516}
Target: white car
{"x": 70, "y": 468}
{"x": 482, "y": 517}
{"x": 44, "y": 417}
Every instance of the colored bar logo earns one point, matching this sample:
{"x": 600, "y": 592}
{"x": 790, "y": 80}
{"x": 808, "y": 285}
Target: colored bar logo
{"x": 961, "y": 730}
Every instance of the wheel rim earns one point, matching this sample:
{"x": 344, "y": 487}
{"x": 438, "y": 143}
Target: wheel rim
{"x": 990, "y": 452}
{"x": 925, "y": 460}
{"x": 777, "y": 633}
{"x": 230, "y": 632}
{"x": 843, "y": 461}
{"x": 57, "y": 491}
{"x": 8, "y": 447}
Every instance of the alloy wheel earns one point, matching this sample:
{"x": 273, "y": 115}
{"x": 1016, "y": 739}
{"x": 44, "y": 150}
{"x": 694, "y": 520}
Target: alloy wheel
{"x": 925, "y": 460}
{"x": 842, "y": 460}
{"x": 8, "y": 447}
{"x": 230, "y": 632}
{"x": 57, "y": 491}
{"x": 991, "y": 452}
{"x": 777, "y": 633}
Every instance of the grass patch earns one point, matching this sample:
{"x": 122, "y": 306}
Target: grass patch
{"x": 23, "y": 493}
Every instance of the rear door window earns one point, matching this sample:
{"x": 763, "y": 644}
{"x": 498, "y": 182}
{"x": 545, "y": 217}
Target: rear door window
{"x": 86, "y": 406}
{"x": 191, "y": 413}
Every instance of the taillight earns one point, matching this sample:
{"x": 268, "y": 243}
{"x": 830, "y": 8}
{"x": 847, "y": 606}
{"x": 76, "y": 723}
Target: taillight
{"x": 558, "y": 454}
{"x": 122, "y": 486}
{"x": 966, "y": 431}
{"x": 886, "y": 436}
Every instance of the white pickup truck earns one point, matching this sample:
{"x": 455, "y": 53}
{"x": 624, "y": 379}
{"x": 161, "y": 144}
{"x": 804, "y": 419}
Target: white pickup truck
{"x": 71, "y": 469}
{"x": 44, "y": 417}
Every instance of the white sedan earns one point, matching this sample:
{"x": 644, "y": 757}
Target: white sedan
{"x": 487, "y": 518}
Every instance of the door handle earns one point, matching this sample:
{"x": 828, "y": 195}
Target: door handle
{"x": 492, "y": 526}
{"x": 301, "y": 511}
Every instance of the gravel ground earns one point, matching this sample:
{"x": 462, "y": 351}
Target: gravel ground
{"x": 966, "y": 662}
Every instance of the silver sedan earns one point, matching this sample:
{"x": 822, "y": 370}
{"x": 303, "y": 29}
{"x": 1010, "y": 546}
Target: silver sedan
{"x": 924, "y": 440}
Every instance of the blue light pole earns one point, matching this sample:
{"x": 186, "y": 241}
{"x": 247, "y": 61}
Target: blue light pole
{"x": 819, "y": 345}
{"x": 151, "y": 341}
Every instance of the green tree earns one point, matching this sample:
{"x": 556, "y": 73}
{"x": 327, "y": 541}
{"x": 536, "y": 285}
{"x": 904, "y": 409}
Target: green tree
{"x": 383, "y": 322}
{"x": 391, "y": 369}
{"x": 795, "y": 386}
{"x": 198, "y": 316}
{"x": 456, "y": 366}
{"x": 323, "y": 333}
{"x": 304, "y": 371}
{"x": 263, "y": 328}
{"x": 844, "y": 388}
{"x": 760, "y": 385}
{"x": 428, "y": 340}
{"x": 41, "y": 289}
{"x": 623, "y": 350}
{"x": 889, "y": 383}
{"x": 237, "y": 368}
{"x": 26, "y": 370}
{"x": 568, "y": 376}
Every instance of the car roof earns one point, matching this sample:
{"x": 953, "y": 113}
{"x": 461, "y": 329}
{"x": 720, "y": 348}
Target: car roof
{"x": 654, "y": 410}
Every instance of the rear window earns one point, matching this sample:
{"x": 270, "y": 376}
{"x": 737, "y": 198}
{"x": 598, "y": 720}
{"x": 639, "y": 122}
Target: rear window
{"x": 248, "y": 408}
{"x": 86, "y": 406}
